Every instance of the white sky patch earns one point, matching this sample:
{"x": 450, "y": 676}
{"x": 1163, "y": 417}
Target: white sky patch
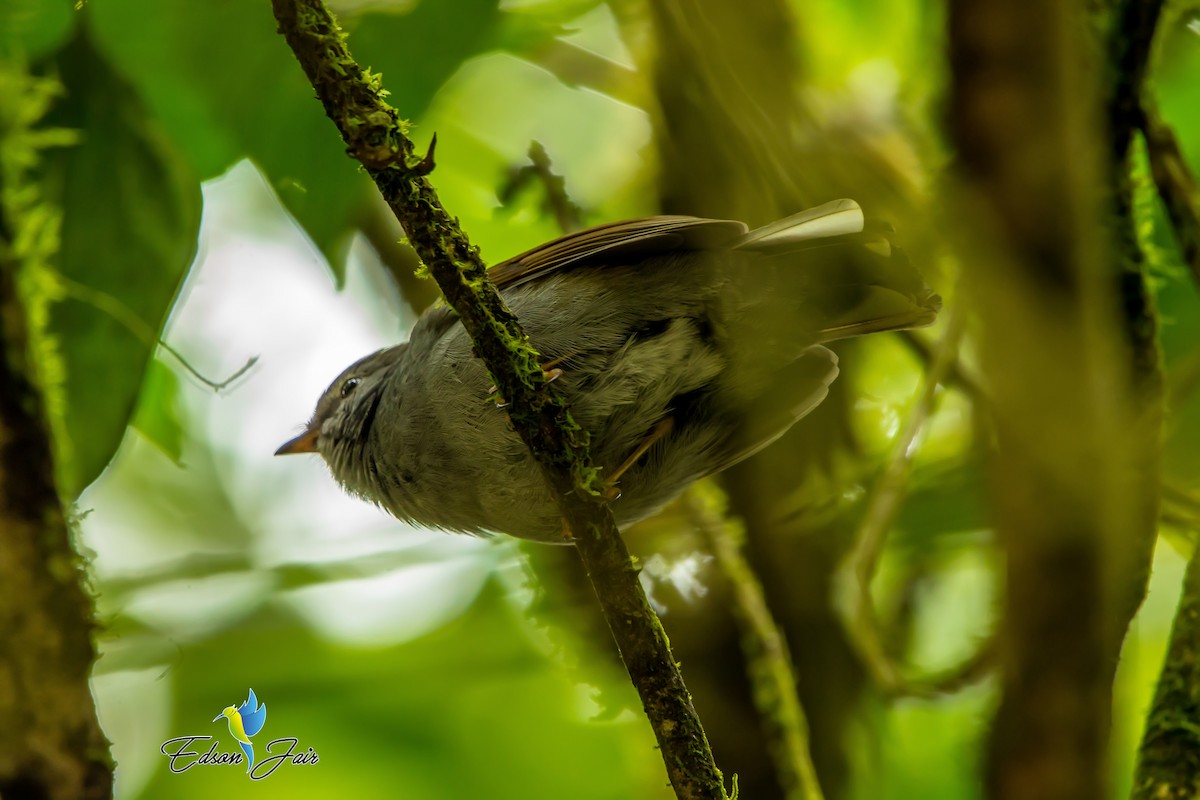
{"x": 259, "y": 288}
{"x": 682, "y": 573}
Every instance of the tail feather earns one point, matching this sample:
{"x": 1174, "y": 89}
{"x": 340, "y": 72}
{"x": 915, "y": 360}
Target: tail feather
{"x": 806, "y": 229}
{"x": 865, "y": 285}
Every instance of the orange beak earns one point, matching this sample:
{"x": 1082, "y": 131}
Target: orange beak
{"x": 304, "y": 443}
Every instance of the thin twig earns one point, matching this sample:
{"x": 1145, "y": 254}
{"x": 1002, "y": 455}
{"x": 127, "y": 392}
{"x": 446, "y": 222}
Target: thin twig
{"x": 125, "y": 316}
{"x": 375, "y": 135}
{"x": 768, "y": 662}
{"x": 568, "y": 215}
{"x": 957, "y": 375}
{"x": 577, "y": 66}
{"x": 864, "y": 625}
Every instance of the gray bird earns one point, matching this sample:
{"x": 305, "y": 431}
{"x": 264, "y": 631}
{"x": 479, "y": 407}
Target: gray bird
{"x": 683, "y": 345}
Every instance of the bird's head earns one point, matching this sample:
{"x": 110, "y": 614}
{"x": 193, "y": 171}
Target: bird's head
{"x": 226, "y": 714}
{"x": 344, "y": 414}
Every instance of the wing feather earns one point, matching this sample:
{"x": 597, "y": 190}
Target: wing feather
{"x": 617, "y": 242}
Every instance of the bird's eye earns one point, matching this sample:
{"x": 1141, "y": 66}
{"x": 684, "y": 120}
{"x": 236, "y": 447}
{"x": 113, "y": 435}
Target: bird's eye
{"x": 350, "y": 385}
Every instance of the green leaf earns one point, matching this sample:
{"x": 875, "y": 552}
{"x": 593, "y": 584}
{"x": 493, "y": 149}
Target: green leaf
{"x": 131, "y": 215}
{"x": 1173, "y": 82}
{"x": 419, "y": 51}
{"x": 33, "y": 28}
{"x": 226, "y": 87}
{"x": 157, "y": 415}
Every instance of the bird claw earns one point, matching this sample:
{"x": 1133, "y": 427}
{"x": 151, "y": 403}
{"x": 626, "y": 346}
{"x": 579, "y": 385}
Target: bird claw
{"x": 661, "y": 429}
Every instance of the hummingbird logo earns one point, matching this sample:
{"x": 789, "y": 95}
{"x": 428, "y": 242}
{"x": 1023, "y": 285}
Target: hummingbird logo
{"x": 245, "y": 721}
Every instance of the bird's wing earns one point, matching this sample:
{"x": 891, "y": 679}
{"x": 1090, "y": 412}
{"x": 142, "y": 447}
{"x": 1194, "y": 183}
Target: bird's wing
{"x": 876, "y": 289}
{"x": 795, "y": 390}
{"x": 252, "y": 723}
{"x": 615, "y": 243}
{"x": 253, "y": 715}
{"x": 248, "y": 706}
{"x": 810, "y": 228}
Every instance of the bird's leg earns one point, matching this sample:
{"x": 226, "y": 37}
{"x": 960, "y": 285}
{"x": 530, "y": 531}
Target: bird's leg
{"x": 550, "y": 372}
{"x": 660, "y": 430}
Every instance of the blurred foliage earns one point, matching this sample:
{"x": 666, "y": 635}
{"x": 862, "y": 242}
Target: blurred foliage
{"x": 417, "y": 665}
{"x": 133, "y": 215}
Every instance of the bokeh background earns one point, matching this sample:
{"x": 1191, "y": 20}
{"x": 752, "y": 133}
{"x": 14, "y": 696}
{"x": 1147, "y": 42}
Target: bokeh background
{"x": 209, "y": 202}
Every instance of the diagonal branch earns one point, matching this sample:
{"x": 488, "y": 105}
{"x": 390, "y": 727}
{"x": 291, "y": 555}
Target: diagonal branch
{"x": 1176, "y": 185}
{"x": 374, "y": 134}
{"x": 1131, "y": 42}
{"x": 768, "y": 663}
{"x": 863, "y": 624}
{"x": 51, "y": 744}
{"x": 1169, "y": 758}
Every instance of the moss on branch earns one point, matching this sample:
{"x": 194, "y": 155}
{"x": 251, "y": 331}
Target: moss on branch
{"x": 768, "y": 662}
{"x": 376, "y": 136}
{"x": 1176, "y": 185}
{"x": 1169, "y": 758}
{"x": 51, "y": 745}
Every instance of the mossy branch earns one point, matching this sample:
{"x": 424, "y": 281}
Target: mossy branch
{"x": 1169, "y": 759}
{"x": 768, "y": 662}
{"x": 51, "y": 745}
{"x": 376, "y": 136}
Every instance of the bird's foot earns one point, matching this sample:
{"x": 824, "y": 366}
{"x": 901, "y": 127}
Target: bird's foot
{"x": 550, "y": 374}
{"x": 661, "y": 428}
